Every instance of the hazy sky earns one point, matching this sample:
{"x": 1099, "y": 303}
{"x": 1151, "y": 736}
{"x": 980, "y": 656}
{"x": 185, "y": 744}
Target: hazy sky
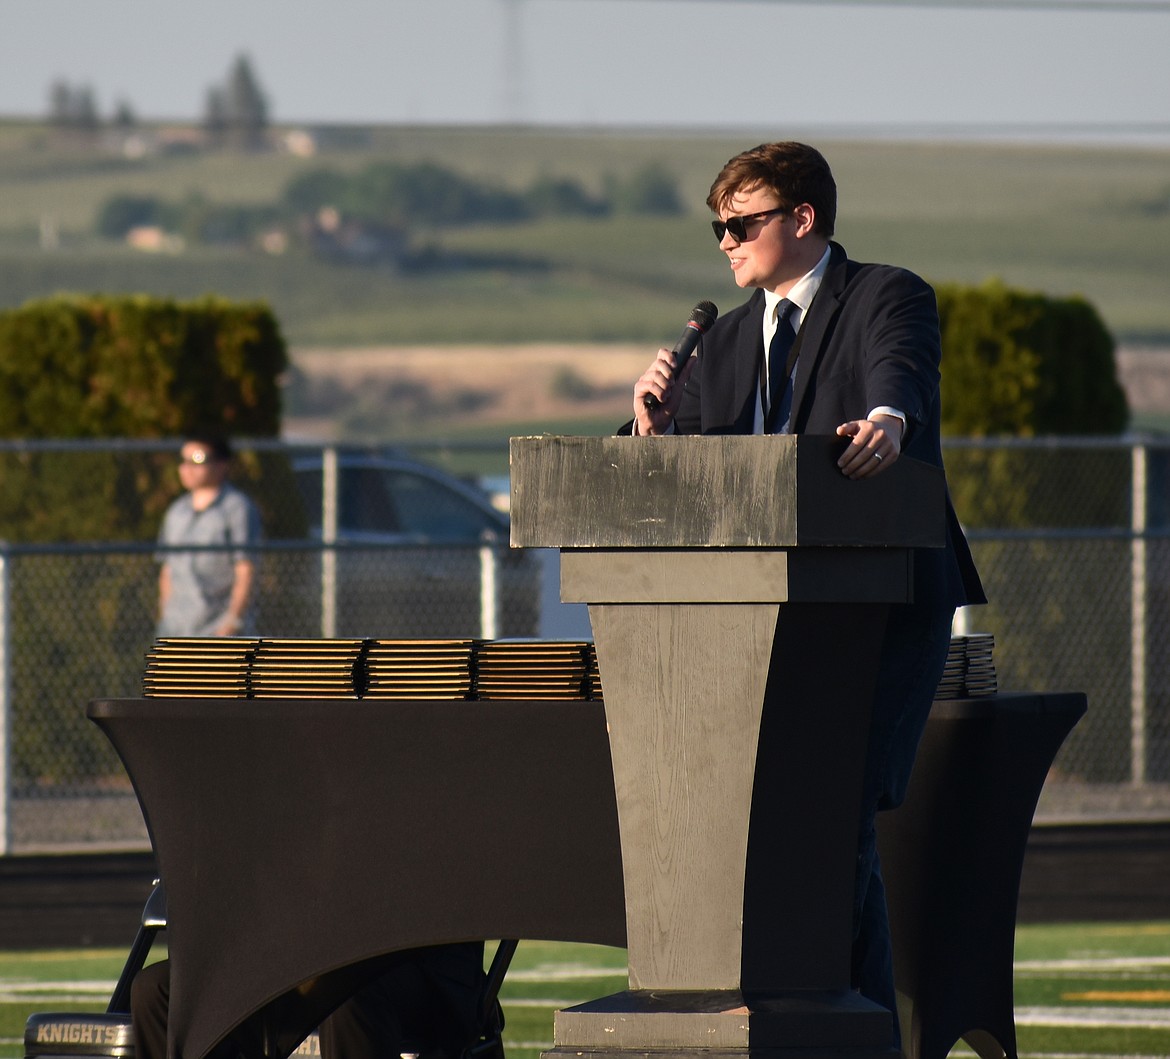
{"x": 689, "y": 63}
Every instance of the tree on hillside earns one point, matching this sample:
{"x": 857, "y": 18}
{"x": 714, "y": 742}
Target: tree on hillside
{"x": 72, "y": 107}
{"x": 310, "y": 191}
{"x": 237, "y": 112}
{"x": 124, "y": 116}
{"x": 121, "y": 213}
{"x": 562, "y": 197}
{"x": 651, "y": 190}
{"x": 215, "y": 114}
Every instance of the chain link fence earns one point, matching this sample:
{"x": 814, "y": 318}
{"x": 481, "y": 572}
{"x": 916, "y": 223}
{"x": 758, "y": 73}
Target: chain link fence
{"x": 1072, "y": 538}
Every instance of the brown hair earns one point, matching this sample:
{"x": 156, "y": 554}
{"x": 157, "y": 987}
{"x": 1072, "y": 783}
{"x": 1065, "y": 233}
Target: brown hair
{"x": 794, "y": 172}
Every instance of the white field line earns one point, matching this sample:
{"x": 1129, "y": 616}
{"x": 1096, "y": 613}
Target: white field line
{"x": 1081, "y": 1055}
{"x": 1093, "y": 965}
{"x": 40, "y": 992}
{"x": 1096, "y": 1017}
{"x": 94, "y": 985}
{"x": 562, "y": 972}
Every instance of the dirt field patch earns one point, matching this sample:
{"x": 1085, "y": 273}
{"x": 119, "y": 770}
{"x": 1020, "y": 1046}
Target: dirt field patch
{"x": 475, "y": 384}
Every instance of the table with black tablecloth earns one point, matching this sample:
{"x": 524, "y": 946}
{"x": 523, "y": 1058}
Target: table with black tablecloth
{"x": 302, "y": 841}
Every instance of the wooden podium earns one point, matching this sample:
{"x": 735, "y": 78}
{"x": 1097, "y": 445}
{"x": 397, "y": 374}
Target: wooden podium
{"x": 738, "y": 590}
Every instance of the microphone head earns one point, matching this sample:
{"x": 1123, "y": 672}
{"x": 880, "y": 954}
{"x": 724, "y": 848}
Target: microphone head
{"x": 704, "y": 315}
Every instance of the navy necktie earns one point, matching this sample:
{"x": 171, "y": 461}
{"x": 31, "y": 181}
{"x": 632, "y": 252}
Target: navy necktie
{"x": 778, "y": 395}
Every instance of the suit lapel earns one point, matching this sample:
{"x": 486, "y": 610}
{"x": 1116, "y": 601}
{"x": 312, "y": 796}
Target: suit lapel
{"x": 748, "y": 347}
{"x": 824, "y": 308}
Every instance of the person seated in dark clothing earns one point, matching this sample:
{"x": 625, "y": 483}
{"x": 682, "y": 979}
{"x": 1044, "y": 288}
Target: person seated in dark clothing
{"x": 427, "y": 1002}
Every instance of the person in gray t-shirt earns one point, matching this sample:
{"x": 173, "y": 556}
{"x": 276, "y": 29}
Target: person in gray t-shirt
{"x": 207, "y": 593}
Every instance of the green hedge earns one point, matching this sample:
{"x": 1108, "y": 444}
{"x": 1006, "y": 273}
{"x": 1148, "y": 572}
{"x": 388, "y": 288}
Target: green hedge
{"x": 1021, "y": 364}
{"x": 137, "y": 366}
{"x": 1025, "y": 364}
{"x": 124, "y": 367}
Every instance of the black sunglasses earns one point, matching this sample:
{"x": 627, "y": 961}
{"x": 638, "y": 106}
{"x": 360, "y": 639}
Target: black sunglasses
{"x": 737, "y": 226}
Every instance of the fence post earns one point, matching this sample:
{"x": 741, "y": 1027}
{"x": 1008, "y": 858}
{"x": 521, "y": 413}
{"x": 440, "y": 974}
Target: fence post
{"x": 5, "y": 707}
{"x": 329, "y": 506}
{"x": 1138, "y": 613}
{"x": 489, "y": 601}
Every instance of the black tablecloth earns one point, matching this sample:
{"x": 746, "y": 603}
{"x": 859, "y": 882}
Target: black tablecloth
{"x": 297, "y": 839}
{"x": 952, "y": 856}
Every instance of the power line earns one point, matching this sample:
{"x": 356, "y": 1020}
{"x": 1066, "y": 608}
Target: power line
{"x": 1119, "y": 6}
{"x": 1111, "y": 6}
{"x": 934, "y": 128}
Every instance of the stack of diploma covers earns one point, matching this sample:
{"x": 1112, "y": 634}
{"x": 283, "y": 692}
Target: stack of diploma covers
{"x": 255, "y": 668}
{"x": 970, "y": 669}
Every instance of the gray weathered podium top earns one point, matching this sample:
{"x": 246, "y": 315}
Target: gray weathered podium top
{"x": 765, "y": 491}
{"x": 729, "y": 519}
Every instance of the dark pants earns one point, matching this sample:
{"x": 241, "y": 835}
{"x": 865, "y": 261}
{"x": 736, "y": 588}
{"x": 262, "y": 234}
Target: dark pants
{"x": 427, "y": 1001}
{"x": 150, "y": 995}
{"x": 914, "y": 653}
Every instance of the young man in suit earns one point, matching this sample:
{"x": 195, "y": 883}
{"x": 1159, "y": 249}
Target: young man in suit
{"x": 853, "y": 350}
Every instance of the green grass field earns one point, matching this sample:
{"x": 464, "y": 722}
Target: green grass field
{"x": 1061, "y": 220}
{"x": 1091, "y": 990}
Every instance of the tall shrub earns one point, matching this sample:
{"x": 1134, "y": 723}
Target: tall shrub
{"x": 1026, "y": 364}
{"x": 110, "y": 367}
{"x": 127, "y": 367}
{"x": 1022, "y": 364}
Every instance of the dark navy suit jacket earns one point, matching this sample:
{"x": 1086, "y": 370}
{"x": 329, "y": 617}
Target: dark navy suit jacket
{"x": 869, "y": 338}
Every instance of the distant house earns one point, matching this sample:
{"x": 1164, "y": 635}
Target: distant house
{"x": 152, "y": 239}
{"x": 300, "y": 142}
{"x": 334, "y": 238}
{"x": 165, "y": 139}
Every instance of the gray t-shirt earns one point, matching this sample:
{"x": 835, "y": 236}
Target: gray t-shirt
{"x": 201, "y": 581}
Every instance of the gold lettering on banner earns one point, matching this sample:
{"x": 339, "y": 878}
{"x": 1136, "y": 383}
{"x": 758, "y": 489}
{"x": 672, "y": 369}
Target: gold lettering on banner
{"x": 78, "y": 1033}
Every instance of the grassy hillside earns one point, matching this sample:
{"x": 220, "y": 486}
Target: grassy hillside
{"x": 1061, "y": 220}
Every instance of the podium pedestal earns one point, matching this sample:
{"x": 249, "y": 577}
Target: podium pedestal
{"x": 725, "y": 1025}
{"x": 738, "y": 590}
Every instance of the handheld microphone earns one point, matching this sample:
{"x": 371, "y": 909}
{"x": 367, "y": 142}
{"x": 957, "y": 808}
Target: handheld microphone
{"x": 703, "y": 316}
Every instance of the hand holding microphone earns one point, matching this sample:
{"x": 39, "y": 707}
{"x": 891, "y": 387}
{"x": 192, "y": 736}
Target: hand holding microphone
{"x": 702, "y": 317}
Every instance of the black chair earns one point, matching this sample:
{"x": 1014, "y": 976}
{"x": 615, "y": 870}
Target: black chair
{"x": 154, "y": 919}
{"x": 70, "y": 1035}
{"x": 490, "y": 1044}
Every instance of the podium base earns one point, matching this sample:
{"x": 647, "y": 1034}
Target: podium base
{"x": 723, "y": 1024}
